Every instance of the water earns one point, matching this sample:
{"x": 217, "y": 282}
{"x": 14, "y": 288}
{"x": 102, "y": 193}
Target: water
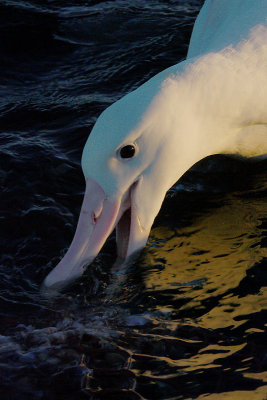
{"x": 187, "y": 320}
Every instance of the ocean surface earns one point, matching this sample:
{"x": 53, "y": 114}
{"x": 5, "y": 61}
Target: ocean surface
{"x": 187, "y": 319}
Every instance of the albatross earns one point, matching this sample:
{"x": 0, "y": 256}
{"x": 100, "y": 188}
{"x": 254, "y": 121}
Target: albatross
{"x": 214, "y": 102}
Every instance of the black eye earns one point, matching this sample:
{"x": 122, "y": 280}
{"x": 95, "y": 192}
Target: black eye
{"x": 127, "y": 151}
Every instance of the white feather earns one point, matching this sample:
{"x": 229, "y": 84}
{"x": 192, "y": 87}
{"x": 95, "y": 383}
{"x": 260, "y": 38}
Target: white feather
{"x": 213, "y": 102}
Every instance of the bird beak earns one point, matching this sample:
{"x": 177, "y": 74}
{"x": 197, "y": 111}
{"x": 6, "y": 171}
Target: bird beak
{"x": 98, "y": 218}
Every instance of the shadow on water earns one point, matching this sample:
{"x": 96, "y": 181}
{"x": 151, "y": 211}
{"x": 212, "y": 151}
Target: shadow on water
{"x": 186, "y": 320}
{"x": 189, "y": 315}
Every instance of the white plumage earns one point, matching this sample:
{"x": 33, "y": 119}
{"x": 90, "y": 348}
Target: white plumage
{"x": 213, "y": 102}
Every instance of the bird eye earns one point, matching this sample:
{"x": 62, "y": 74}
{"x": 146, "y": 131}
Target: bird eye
{"x": 127, "y": 151}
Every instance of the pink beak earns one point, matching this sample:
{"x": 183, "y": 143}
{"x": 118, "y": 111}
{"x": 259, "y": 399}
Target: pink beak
{"x": 98, "y": 218}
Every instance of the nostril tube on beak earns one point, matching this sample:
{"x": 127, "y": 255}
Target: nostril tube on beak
{"x": 94, "y": 218}
{"x": 96, "y": 213}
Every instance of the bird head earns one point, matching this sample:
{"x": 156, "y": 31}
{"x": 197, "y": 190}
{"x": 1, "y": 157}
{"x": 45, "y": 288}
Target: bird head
{"x": 127, "y": 164}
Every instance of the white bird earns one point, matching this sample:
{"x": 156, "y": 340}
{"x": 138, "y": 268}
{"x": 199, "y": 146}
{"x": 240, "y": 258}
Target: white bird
{"x": 213, "y": 102}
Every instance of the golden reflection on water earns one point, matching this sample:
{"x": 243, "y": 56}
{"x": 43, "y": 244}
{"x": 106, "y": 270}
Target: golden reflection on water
{"x": 207, "y": 356}
{"x": 258, "y": 394}
{"x": 216, "y": 251}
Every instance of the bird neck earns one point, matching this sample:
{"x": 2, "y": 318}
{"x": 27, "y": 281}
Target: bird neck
{"x": 226, "y": 95}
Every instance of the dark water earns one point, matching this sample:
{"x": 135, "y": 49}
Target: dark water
{"x": 186, "y": 321}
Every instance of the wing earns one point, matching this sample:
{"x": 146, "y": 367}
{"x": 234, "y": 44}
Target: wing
{"x": 221, "y": 23}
